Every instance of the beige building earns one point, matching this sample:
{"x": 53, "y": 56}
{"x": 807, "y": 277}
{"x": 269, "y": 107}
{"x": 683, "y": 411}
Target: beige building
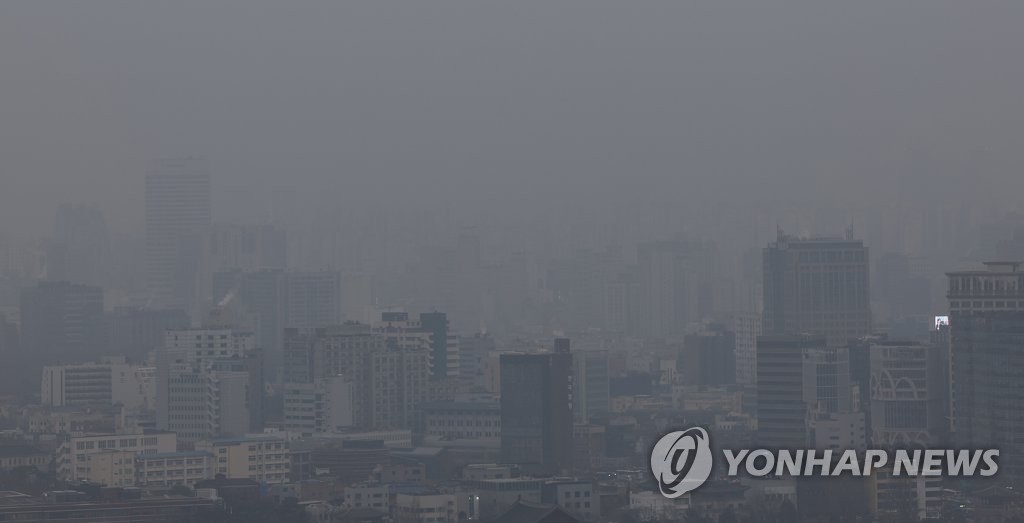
{"x": 260, "y": 457}
{"x": 110, "y": 468}
{"x": 173, "y": 468}
{"x": 74, "y": 457}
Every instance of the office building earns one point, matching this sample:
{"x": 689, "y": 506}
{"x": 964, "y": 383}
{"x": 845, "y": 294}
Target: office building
{"x": 591, "y": 384}
{"x": 817, "y": 286}
{"x": 137, "y": 333}
{"x": 80, "y": 251}
{"x": 61, "y": 320}
{"x": 674, "y": 287}
{"x": 110, "y": 381}
{"x": 312, "y": 299}
{"x": 430, "y": 332}
{"x": 575, "y": 497}
{"x": 781, "y": 405}
{"x": 76, "y": 453}
{"x": 178, "y": 203}
{"x": 908, "y": 394}
{"x": 258, "y": 457}
{"x": 708, "y": 357}
{"x": 426, "y": 507}
{"x": 537, "y": 410}
{"x": 256, "y": 298}
{"x": 747, "y": 329}
{"x": 388, "y": 382}
{"x": 986, "y": 326}
{"x": 324, "y": 406}
{"x": 167, "y": 469}
{"x": 465, "y": 423}
{"x": 209, "y": 384}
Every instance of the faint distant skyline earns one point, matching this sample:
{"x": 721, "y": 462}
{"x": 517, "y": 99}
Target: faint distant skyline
{"x": 512, "y": 110}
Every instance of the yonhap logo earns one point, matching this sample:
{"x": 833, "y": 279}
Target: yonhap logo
{"x": 681, "y": 461}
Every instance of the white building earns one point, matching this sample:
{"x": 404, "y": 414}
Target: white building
{"x": 209, "y": 384}
{"x": 324, "y": 406}
{"x": 108, "y": 382}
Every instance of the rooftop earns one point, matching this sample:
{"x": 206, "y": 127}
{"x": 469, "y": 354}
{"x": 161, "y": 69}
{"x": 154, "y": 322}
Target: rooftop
{"x": 171, "y": 455}
{"x": 14, "y": 451}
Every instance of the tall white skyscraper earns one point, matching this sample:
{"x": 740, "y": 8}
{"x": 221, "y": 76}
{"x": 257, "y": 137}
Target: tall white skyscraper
{"x": 177, "y": 203}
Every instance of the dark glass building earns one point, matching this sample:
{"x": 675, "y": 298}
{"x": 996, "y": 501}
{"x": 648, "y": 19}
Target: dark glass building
{"x": 537, "y": 410}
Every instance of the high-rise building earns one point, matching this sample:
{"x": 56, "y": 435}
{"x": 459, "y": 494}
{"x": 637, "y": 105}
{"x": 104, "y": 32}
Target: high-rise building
{"x": 312, "y": 299}
{"x": 781, "y": 404}
{"x": 591, "y": 384}
{"x": 323, "y": 406}
{"x": 80, "y": 249}
{"x": 908, "y": 394}
{"x": 61, "y": 320}
{"x": 177, "y": 205}
{"x": 748, "y": 328}
{"x": 430, "y": 332}
{"x": 473, "y": 352}
{"x": 258, "y": 299}
{"x": 537, "y": 410}
{"x": 109, "y": 381}
{"x": 708, "y": 357}
{"x": 388, "y": 382}
{"x": 209, "y": 384}
{"x": 817, "y": 286}
{"x": 675, "y": 288}
{"x": 136, "y": 332}
{"x": 986, "y": 326}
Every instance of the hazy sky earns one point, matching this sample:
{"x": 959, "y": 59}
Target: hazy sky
{"x": 504, "y": 107}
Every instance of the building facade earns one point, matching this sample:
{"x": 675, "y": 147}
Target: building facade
{"x": 537, "y": 410}
{"x": 817, "y": 286}
{"x": 986, "y": 327}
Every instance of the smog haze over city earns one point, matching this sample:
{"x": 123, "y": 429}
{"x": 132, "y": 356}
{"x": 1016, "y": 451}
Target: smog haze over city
{"x": 448, "y": 261}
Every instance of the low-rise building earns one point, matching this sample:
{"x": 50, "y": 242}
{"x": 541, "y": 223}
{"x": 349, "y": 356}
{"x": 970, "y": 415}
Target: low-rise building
{"x": 452, "y": 422}
{"x": 478, "y": 471}
{"x": 576, "y": 497}
{"x": 73, "y": 455}
{"x": 424, "y": 507}
{"x": 497, "y": 495}
{"x": 173, "y": 468}
{"x": 14, "y": 456}
{"x": 367, "y": 496}
{"x": 260, "y": 457}
{"x": 649, "y": 505}
{"x": 110, "y": 468}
